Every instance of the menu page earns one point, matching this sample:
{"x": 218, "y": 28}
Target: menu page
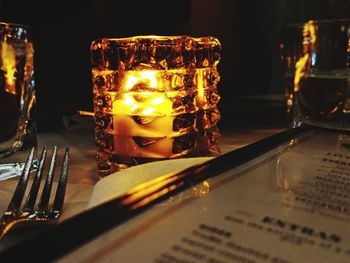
{"x": 290, "y": 205}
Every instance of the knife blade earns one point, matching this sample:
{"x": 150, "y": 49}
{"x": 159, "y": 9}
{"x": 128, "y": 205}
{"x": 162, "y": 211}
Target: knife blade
{"x": 92, "y": 223}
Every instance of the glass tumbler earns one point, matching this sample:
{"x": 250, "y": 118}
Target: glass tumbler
{"x": 155, "y": 98}
{"x": 17, "y": 97}
{"x": 316, "y": 58}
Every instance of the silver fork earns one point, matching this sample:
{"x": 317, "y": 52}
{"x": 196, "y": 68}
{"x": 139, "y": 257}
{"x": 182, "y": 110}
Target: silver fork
{"x": 15, "y": 216}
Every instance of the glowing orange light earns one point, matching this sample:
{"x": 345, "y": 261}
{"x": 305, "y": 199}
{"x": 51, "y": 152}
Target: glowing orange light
{"x": 202, "y": 189}
{"x": 200, "y": 86}
{"x": 157, "y": 99}
{"x": 143, "y": 103}
{"x": 147, "y": 77}
{"x": 8, "y": 56}
{"x": 309, "y": 47}
{"x": 128, "y": 100}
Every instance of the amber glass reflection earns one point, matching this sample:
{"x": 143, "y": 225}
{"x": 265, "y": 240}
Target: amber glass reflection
{"x": 154, "y": 98}
{"x": 17, "y": 97}
{"x": 316, "y": 59}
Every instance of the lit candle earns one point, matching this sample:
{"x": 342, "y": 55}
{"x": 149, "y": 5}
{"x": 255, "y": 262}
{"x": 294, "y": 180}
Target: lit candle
{"x": 154, "y": 98}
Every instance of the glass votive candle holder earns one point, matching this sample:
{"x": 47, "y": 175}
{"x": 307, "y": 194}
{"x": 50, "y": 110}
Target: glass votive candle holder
{"x": 155, "y": 98}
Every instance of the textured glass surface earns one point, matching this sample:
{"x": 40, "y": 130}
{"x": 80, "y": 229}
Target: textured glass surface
{"x": 154, "y": 98}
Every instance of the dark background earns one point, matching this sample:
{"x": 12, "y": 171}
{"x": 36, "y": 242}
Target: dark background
{"x": 249, "y": 31}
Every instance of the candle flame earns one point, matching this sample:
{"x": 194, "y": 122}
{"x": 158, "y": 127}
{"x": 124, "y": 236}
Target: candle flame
{"x": 149, "y": 111}
{"x": 128, "y": 100}
{"x": 134, "y": 107}
{"x": 147, "y": 77}
{"x": 144, "y": 95}
{"x": 8, "y": 56}
{"x": 158, "y": 100}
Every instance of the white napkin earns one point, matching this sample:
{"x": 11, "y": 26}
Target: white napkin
{"x": 120, "y": 182}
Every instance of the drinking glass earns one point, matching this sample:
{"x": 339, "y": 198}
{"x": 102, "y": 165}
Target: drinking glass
{"x": 316, "y": 57}
{"x": 17, "y": 97}
{"x": 155, "y": 97}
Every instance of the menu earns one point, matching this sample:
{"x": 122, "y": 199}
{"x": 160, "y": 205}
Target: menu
{"x": 291, "y": 204}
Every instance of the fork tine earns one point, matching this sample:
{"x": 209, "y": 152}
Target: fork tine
{"x": 61, "y": 188}
{"x": 17, "y": 197}
{"x": 30, "y": 202}
{"x": 45, "y": 196}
